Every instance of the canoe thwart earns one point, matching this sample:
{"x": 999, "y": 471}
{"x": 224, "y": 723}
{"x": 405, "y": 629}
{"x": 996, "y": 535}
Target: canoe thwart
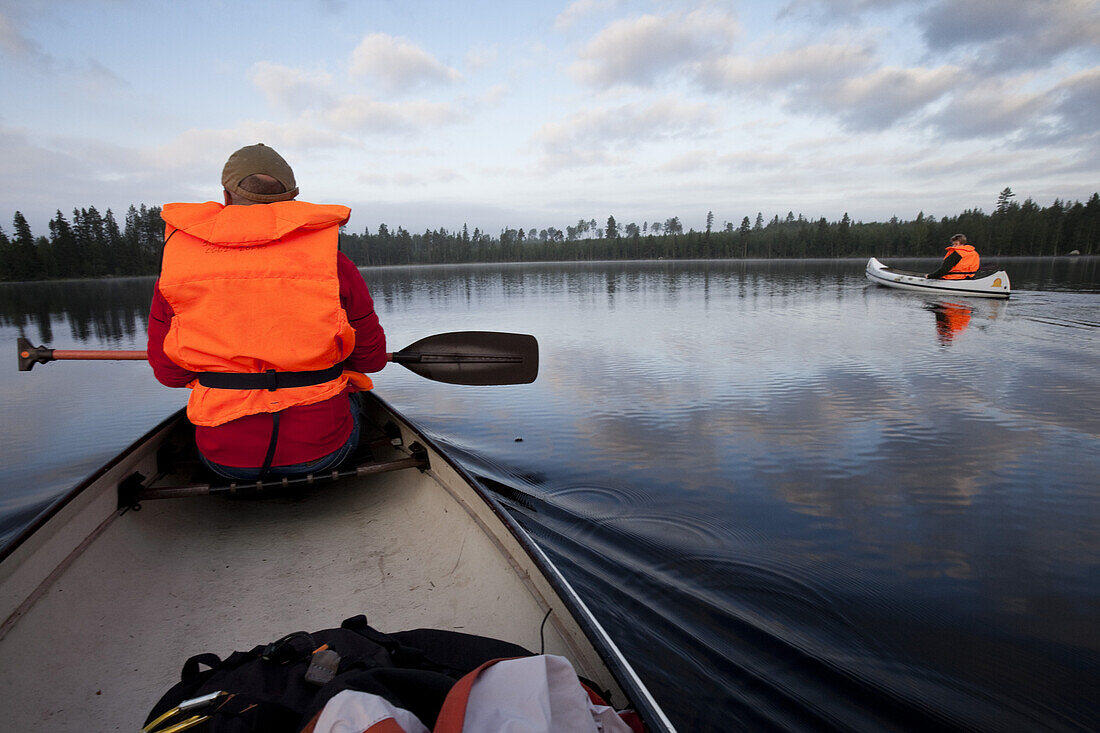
{"x": 133, "y": 489}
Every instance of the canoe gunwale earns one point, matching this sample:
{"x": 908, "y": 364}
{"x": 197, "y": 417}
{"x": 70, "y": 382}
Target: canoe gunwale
{"x": 57, "y": 506}
{"x": 58, "y": 570}
{"x": 609, "y": 653}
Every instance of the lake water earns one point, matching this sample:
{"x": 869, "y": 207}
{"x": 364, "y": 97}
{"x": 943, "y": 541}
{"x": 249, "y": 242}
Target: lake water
{"x": 797, "y": 501}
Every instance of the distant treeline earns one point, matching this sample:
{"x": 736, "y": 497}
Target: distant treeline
{"x": 94, "y": 245}
{"x": 90, "y": 245}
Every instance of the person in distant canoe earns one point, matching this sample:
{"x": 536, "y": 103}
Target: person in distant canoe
{"x": 266, "y": 321}
{"x": 960, "y": 262}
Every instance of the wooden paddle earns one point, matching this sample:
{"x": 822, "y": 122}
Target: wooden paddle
{"x": 461, "y": 357}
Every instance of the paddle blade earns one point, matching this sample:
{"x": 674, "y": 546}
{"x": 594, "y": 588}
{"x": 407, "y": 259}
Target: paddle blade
{"x": 473, "y": 357}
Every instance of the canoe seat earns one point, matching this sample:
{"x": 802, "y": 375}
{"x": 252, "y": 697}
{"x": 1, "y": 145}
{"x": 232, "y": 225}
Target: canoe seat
{"x": 180, "y": 473}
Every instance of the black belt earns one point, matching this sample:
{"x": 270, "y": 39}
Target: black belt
{"x": 270, "y": 380}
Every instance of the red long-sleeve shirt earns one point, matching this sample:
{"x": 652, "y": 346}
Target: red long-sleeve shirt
{"x": 306, "y": 432}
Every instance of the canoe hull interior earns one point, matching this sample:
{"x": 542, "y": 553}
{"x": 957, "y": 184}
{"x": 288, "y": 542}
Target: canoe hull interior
{"x": 994, "y": 285}
{"x": 102, "y": 609}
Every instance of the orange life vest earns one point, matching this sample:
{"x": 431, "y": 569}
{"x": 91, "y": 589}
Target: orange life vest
{"x": 951, "y": 320}
{"x": 255, "y": 289}
{"x": 965, "y": 267}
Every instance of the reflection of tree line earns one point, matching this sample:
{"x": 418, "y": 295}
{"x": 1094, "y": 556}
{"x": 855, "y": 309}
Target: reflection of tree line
{"x": 399, "y": 287}
{"x": 116, "y": 309}
{"x": 92, "y": 245}
{"x": 108, "y": 311}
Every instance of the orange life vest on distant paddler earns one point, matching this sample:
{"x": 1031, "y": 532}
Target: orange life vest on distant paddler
{"x": 967, "y": 266}
{"x": 254, "y": 289}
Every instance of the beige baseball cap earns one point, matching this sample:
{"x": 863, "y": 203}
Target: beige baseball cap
{"x": 253, "y": 159}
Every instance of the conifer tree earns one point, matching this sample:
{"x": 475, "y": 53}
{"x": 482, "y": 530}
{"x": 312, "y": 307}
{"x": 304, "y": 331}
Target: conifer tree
{"x": 5, "y": 257}
{"x": 63, "y": 245}
{"x": 25, "y": 264}
{"x": 113, "y": 259}
{"x": 83, "y": 243}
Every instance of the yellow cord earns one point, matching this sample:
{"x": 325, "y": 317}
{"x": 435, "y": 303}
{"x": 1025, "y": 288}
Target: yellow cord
{"x": 160, "y": 720}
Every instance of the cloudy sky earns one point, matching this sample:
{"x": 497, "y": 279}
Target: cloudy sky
{"x": 536, "y": 114}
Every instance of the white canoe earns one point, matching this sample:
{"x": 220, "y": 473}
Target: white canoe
{"x": 995, "y": 285}
{"x": 100, "y": 607}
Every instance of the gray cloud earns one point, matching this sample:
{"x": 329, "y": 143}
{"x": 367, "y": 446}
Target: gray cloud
{"x": 989, "y": 35}
{"x": 690, "y": 162}
{"x": 983, "y": 42}
{"x": 206, "y": 149}
{"x": 951, "y": 23}
{"x": 409, "y": 179}
{"x": 802, "y": 68}
{"x": 845, "y": 82}
{"x": 17, "y": 46}
{"x": 836, "y": 8}
{"x": 939, "y": 164}
{"x": 313, "y": 95}
{"x": 841, "y": 79}
{"x": 358, "y": 112}
{"x": 1012, "y": 35}
{"x": 1063, "y": 115}
{"x": 609, "y": 135}
{"x": 756, "y": 160}
{"x": 290, "y": 88}
{"x": 25, "y": 161}
{"x": 97, "y": 81}
{"x": 990, "y": 108}
{"x": 67, "y": 172}
{"x": 398, "y": 65}
{"x": 579, "y": 9}
{"x": 641, "y": 50}
{"x": 481, "y": 57}
{"x": 89, "y": 78}
{"x": 838, "y": 79}
{"x": 1078, "y": 101}
{"x": 878, "y": 100}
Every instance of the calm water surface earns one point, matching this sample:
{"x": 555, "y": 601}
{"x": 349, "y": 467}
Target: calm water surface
{"x": 798, "y": 501}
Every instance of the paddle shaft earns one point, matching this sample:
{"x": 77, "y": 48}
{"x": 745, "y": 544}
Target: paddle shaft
{"x": 45, "y": 354}
{"x": 90, "y": 355}
{"x": 462, "y": 357}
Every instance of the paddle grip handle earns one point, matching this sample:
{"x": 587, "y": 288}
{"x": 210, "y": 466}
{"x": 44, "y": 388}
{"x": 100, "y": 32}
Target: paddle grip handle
{"x": 31, "y": 355}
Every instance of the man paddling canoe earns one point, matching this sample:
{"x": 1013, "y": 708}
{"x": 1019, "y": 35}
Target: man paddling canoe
{"x": 960, "y": 262}
{"x": 266, "y": 321}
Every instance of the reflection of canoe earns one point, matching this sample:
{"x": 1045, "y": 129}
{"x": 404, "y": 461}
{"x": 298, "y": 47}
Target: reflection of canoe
{"x": 995, "y": 285}
{"x": 101, "y": 607}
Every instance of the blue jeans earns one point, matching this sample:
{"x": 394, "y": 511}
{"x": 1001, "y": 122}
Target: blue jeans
{"x": 324, "y": 463}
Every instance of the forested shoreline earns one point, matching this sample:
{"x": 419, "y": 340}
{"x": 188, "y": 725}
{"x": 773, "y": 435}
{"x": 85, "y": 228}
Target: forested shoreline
{"x": 90, "y": 244}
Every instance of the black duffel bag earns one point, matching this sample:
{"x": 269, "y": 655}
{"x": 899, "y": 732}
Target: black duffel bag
{"x": 279, "y": 687}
